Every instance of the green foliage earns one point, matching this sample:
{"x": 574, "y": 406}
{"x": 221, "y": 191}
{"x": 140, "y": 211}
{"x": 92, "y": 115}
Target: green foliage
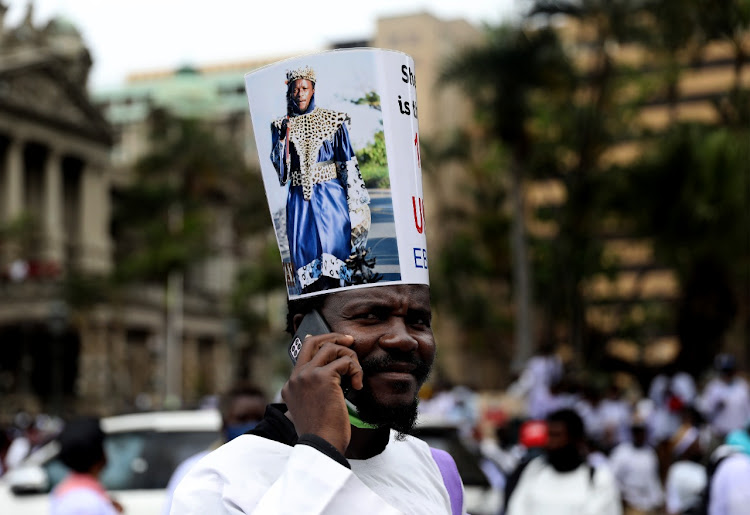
{"x": 373, "y": 163}
{"x": 164, "y": 220}
{"x": 22, "y": 233}
{"x": 472, "y": 265}
{"x": 691, "y": 192}
{"x": 557, "y": 121}
{"x": 371, "y": 99}
{"x": 82, "y": 291}
{"x": 694, "y": 188}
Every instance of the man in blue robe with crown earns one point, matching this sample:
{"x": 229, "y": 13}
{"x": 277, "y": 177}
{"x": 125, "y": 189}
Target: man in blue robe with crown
{"x": 312, "y": 151}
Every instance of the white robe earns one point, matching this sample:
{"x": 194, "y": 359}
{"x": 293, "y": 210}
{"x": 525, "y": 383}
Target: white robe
{"x": 730, "y": 494}
{"x": 541, "y": 490}
{"x": 636, "y": 470}
{"x": 254, "y": 475}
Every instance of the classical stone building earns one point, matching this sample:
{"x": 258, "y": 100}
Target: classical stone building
{"x": 56, "y": 183}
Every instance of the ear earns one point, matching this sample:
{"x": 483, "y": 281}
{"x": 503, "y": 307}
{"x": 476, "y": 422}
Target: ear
{"x": 297, "y": 320}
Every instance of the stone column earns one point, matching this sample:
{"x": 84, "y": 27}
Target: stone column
{"x": 104, "y": 369}
{"x": 14, "y": 180}
{"x": 87, "y": 364}
{"x": 93, "y": 365}
{"x": 122, "y": 388}
{"x": 52, "y": 217}
{"x": 223, "y": 365}
{"x": 191, "y": 373}
{"x": 93, "y": 241}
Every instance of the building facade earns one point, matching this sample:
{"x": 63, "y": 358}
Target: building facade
{"x": 56, "y": 181}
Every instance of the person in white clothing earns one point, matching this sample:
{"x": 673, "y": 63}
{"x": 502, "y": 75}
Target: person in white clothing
{"x": 686, "y": 476}
{"x": 362, "y": 347}
{"x": 730, "y": 483}
{"x": 615, "y": 415}
{"x": 561, "y": 481}
{"x": 725, "y": 401}
{"x": 309, "y": 456}
{"x": 636, "y": 468}
{"x": 541, "y": 372}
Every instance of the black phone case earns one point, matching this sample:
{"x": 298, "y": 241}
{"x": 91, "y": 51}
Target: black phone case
{"x": 313, "y": 324}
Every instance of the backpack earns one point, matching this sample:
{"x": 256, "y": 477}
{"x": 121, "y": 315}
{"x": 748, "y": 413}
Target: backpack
{"x": 451, "y": 479}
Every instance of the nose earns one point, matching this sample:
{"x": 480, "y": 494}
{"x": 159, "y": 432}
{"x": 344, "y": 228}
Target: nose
{"x": 397, "y": 336}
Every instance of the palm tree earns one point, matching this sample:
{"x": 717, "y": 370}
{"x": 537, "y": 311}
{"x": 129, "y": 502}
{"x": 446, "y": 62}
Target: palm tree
{"x": 502, "y": 76}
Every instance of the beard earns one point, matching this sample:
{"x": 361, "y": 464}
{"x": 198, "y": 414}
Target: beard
{"x": 402, "y": 417}
{"x": 564, "y": 459}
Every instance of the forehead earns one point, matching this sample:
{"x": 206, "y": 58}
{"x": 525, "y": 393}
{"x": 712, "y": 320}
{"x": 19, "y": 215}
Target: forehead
{"x": 414, "y": 296}
{"x": 302, "y": 83}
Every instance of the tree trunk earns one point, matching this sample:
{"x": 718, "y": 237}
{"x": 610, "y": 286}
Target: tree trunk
{"x": 521, "y": 271}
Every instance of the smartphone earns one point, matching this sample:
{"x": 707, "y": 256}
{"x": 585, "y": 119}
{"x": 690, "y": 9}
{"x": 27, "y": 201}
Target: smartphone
{"x": 312, "y": 324}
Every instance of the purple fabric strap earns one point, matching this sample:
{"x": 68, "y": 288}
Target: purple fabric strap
{"x": 451, "y": 479}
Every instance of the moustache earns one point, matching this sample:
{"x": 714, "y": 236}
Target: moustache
{"x": 419, "y": 368}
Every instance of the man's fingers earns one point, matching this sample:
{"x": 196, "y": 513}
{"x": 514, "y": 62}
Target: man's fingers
{"x": 335, "y": 358}
{"x": 313, "y": 344}
{"x": 346, "y": 366}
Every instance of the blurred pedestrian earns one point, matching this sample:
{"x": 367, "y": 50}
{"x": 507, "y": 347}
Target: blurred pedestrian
{"x": 725, "y": 401}
{"x": 615, "y": 416}
{"x": 21, "y": 443}
{"x": 730, "y": 483}
{"x": 532, "y": 440}
{"x": 241, "y": 407}
{"x": 686, "y": 476}
{"x": 636, "y": 469}
{"x": 561, "y": 481}
{"x": 534, "y": 385}
{"x": 4, "y": 445}
{"x": 503, "y": 449}
{"x": 82, "y": 451}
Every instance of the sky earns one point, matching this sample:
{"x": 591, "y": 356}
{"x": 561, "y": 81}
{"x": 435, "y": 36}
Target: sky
{"x": 145, "y": 35}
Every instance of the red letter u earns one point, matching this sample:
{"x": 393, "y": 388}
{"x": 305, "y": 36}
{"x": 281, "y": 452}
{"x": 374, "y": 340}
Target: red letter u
{"x": 419, "y": 223}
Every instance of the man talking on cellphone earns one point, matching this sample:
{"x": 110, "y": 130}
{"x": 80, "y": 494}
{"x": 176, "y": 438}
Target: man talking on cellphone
{"x": 306, "y": 456}
{"x": 340, "y": 444}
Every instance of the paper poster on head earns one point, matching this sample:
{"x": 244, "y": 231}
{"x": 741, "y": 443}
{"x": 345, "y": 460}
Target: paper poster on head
{"x": 338, "y": 140}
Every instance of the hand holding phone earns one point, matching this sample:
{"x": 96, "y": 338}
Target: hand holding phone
{"x": 312, "y": 324}
{"x": 323, "y": 359}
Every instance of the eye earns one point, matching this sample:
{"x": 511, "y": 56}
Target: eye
{"x": 418, "y": 319}
{"x": 372, "y": 315}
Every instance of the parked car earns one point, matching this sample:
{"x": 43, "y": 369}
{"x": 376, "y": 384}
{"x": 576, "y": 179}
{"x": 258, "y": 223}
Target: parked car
{"x": 143, "y": 449}
{"x": 480, "y": 498}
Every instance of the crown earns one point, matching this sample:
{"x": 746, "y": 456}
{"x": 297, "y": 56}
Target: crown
{"x": 304, "y": 72}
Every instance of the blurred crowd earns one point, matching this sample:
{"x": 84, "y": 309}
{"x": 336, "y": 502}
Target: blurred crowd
{"x": 676, "y": 447}
{"x": 24, "y": 435}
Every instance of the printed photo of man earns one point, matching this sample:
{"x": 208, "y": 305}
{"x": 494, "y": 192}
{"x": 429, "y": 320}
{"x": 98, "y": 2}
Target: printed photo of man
{"x": 327, "y": 210}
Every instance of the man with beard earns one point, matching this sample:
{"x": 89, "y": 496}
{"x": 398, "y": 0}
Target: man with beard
{"x": 310, "y": 455}
{"x": 561, "y": 481}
